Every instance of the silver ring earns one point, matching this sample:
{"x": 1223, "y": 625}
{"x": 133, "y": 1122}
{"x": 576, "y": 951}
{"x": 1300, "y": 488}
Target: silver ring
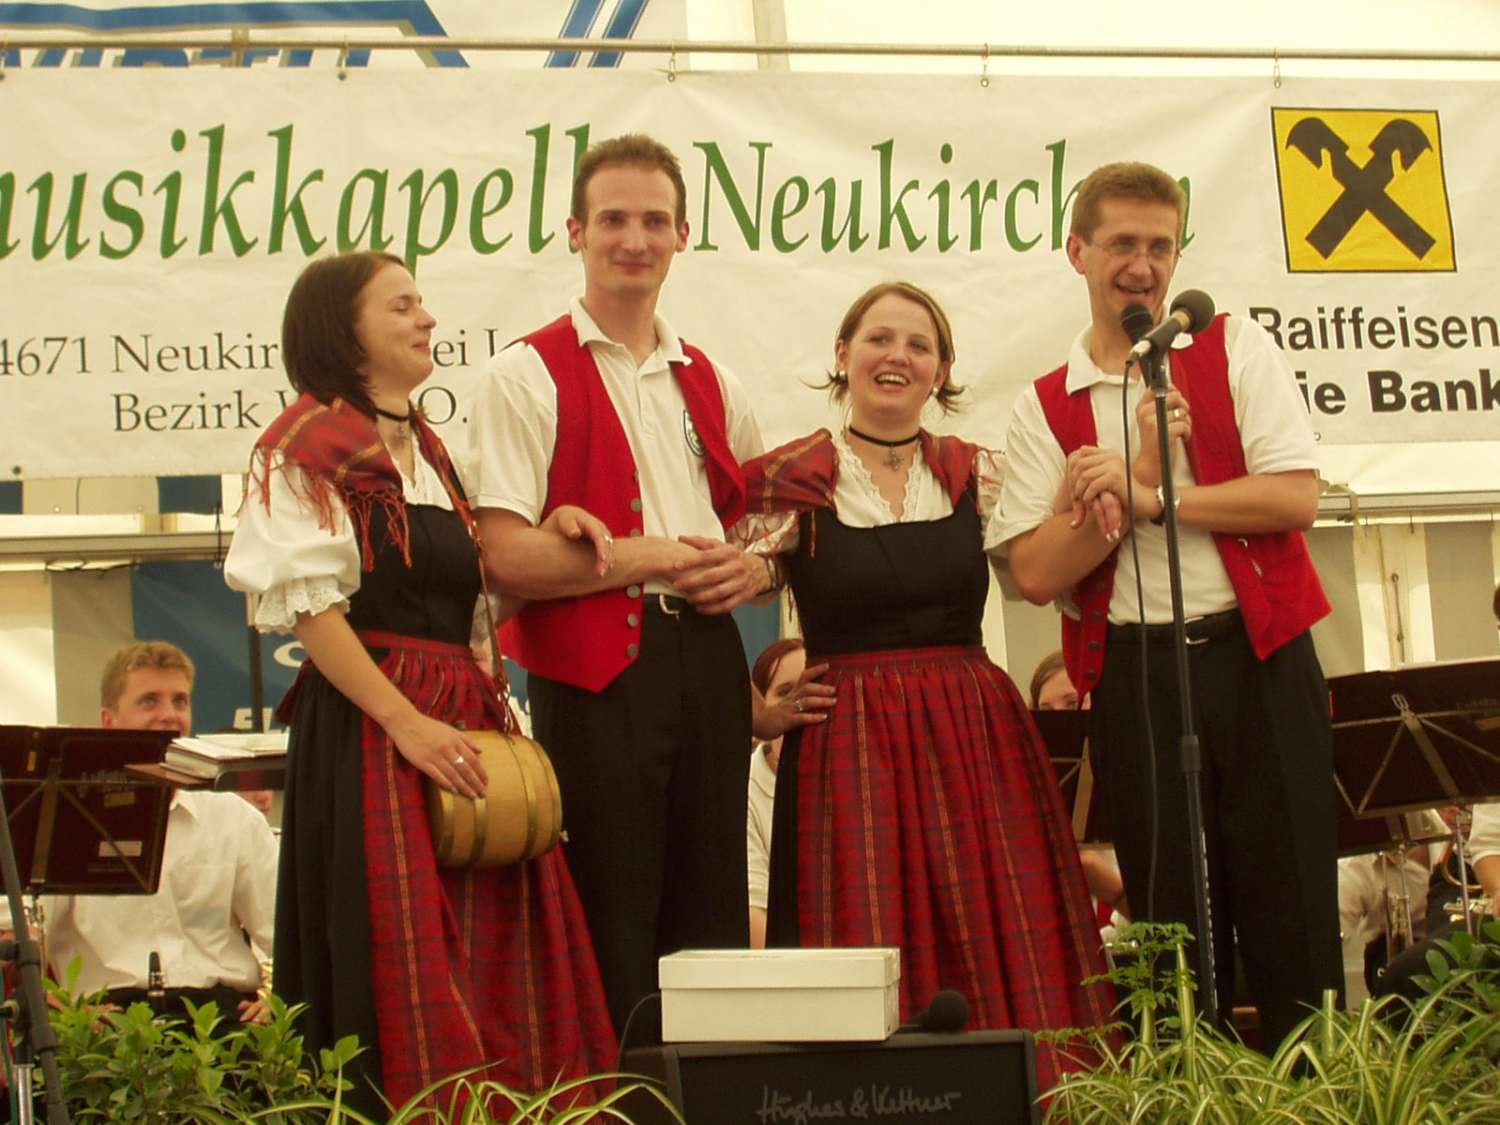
{"x": 1176, "y": 413}
{"x": 799, "y": 705}
{"x": 458, "y": 760}
{"x": 609, "y": 540}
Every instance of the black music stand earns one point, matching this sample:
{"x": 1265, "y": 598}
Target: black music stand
{"x": 81, "y": 823}
{"x": 1416, "y": 737}
{"x": 1065, "y": 735}
{"x": 83, "y": 826}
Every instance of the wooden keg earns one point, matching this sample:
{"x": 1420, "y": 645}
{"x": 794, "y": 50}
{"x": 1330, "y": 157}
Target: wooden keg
{"x": 518, "y": 818}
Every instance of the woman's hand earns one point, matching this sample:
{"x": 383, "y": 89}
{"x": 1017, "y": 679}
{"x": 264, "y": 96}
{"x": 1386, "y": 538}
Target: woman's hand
{"x": 572, "y": 522}
{"x": 802, "y": 704}
{"x": 445, "y": 754}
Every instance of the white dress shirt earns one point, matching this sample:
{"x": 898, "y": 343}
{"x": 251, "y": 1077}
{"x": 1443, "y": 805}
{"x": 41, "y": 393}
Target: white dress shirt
{"x": 218, "y": 877}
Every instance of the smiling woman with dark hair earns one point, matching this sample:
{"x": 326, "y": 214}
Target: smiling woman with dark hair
{"x": 924, "y": 813}
{"x": 356, "y": 535}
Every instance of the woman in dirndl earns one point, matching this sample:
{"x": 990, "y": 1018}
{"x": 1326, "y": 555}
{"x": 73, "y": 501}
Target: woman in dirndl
{"x": 356, "y": 536}
{"x": 925, "y": 813}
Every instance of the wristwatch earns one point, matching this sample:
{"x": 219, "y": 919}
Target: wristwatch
{"x": 1161, "y": 501}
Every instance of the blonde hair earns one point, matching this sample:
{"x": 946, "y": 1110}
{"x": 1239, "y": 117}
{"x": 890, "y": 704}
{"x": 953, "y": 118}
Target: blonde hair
{"x": 142, "y": 654}
{"x": 1125, "y": 179}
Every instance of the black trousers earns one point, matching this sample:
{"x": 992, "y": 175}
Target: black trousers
{"x": 1268, "y": 809}
{"x": 654, "y": 772}
{"x": 170, "y": 1005}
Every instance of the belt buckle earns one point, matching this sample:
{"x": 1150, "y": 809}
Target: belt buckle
{"x": 666, "y": 606}
{"x": 1186, "y": 625}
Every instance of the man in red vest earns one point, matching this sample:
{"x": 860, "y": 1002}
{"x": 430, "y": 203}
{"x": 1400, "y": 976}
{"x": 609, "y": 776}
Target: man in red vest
{"x": 1245, "y": 471}
{"x": 637, "y": 679}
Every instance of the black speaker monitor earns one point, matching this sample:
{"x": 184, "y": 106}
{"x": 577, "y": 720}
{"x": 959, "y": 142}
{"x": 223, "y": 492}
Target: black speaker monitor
{"x": 974, "y": 1078}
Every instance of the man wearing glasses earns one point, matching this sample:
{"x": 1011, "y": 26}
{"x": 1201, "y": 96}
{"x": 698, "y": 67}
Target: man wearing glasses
{"x": 1244, "y": 466}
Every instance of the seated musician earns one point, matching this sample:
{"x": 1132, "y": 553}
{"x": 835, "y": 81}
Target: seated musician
{"x": 218, "y": 878}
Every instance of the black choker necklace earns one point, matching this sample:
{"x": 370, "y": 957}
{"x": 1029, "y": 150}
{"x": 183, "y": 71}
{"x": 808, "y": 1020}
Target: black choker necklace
{"x": 892, "y": 458}
{"x": 401, "y": 420}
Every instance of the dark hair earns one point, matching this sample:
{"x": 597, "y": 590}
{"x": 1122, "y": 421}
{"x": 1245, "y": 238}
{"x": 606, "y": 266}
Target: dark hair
{"x": 318, "y": 345}
{"x": 1126, "y": 179}
{"x": 143, "y": 654}
{"x": 635, "y": 149}
{"x": 837, "y": 383}
{"x": 1050, "y": 665}
{"x": 769, "y": 660}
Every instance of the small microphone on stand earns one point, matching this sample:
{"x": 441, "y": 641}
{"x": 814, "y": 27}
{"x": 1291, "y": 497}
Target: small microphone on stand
{"x": 1192, "y": 311}
{"x": 947, "y": 1011}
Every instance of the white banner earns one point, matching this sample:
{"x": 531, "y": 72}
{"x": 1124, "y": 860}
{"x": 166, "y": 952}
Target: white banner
{"x": 263, "y": 20}
{"x": 151, "y": 224}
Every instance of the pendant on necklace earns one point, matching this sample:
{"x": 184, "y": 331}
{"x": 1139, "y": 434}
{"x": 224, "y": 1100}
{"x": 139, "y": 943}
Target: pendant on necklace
{"x": 402, "y": 432}
{"x": 893, "y": 458}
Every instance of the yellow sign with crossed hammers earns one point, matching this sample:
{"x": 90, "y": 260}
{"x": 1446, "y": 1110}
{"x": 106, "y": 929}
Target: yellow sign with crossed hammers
{"x": 1362, "y": 190}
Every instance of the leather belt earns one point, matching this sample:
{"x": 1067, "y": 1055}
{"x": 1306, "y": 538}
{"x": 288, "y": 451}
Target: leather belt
{"x": 669, "y": 604}
{"x": 1200, "y": 630}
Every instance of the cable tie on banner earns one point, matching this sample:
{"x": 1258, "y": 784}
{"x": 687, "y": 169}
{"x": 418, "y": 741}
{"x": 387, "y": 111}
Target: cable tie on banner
{"x": 1276, "y": 67}
{"x": 343, "y": 63}
{"x": 672, "y": 64}
{"x": 239, "y": 41}
{"x": 984, "y": 68}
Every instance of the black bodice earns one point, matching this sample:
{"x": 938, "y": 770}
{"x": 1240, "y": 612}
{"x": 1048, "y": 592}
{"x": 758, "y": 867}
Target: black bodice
{"x": 434, "y": 598}
{"x": 903, "y": 585}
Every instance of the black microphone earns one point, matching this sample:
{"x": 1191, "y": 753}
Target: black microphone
{"x": 1137, "y": 321}
{"x": 948, "y": 1011}
{"x": 1191, "y": 312}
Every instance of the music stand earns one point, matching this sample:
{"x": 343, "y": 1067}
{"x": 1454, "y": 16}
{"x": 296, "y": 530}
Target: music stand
{"x": 81, "y": 824}
{"x": 1416, "y": 737}
{"x": 1065, "y": 735}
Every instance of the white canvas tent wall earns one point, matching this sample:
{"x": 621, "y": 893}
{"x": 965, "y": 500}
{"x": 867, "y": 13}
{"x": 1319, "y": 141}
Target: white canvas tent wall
{"x": 1411, "y": 543}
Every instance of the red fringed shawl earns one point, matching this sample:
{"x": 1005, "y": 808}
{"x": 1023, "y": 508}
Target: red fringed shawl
{"x": 343, "y": 460}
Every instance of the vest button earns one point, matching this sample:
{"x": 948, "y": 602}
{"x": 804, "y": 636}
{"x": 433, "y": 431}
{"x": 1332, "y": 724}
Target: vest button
{"x": 632, "y": 591}
{"x": 1094, "y": 646}
{"x": 635, "y": 504}
{"x": 631, "y": 650}
{"x": 1096, "y": 615}
{"x": 632, "y": 619}
{"x": 635, "y": 532}
{"x": 1092, "y": 673}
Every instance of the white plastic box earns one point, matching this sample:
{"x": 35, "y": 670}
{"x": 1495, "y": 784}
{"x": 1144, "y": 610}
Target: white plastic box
{"x": 779, "y": 995}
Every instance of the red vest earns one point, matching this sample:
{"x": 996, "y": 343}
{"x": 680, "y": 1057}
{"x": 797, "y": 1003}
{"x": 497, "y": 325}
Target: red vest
{"x": 1274, "y": 581}
{"x": 588, "y": 641}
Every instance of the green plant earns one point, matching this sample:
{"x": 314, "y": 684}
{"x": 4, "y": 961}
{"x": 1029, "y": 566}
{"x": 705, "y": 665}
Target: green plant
{"x": 126, "y": 1066}
{"x": 1387, "y": 1063}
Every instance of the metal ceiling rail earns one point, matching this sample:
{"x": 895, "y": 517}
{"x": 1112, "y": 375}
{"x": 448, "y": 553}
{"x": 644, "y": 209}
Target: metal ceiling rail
{"x": 242, "y": 39}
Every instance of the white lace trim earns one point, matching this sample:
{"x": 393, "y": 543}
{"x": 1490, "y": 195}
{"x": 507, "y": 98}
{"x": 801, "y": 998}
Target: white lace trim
{"x": 277, "y": 609}
{"x": 850, "y": 460}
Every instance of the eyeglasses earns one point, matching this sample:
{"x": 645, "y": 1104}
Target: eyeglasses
{"x": 1124, "y": 249}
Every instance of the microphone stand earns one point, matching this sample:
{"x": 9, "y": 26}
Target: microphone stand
{"x": 27, "y": 1013}
{"x": 1153, "y": 370}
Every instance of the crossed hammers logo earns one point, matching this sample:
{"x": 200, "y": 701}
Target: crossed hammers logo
{"x": 1364, "y": 187}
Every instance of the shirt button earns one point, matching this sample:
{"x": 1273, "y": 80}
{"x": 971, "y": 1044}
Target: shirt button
{"x": 631, "y": 650}
{"x": 632, "y": 620}
{"x": 632, "y": 591}
{"x": 635, "y": 504}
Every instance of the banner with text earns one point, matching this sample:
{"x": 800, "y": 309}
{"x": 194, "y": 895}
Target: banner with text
{"x": 151, "y": 223}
